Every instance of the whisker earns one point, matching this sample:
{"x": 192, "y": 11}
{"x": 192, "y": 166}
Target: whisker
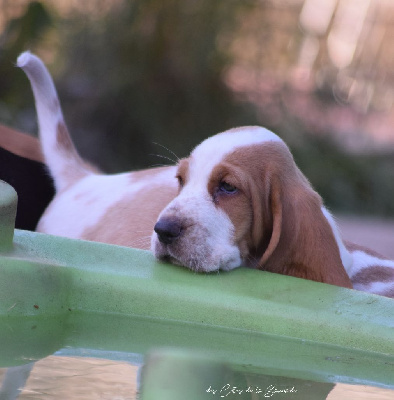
{"x": 145, "y": 237}
{"x": 165, "y": 157}
{"x": 142, "y": 242}
{"x": 170, "y": 151}
{"x": 252, "y": 260}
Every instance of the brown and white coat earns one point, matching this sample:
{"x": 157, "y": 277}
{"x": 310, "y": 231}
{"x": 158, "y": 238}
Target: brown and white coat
{"x": 237, "y": 200}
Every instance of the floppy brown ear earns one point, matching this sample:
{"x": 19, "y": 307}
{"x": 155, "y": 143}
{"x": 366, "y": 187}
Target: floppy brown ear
{"x": 301, "y": 242}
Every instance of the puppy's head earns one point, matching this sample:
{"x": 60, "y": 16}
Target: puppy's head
{"x": 243, "y": 201}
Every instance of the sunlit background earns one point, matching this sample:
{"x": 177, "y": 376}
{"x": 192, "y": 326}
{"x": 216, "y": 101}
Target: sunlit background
{"x": 134, "y": 76}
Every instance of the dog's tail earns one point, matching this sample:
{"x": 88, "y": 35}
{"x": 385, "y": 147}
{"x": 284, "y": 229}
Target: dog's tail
{"x": 61, "y": 157}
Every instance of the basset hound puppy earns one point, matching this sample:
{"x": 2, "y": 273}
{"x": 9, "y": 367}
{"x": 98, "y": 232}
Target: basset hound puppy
{"x": 237, "y": 200}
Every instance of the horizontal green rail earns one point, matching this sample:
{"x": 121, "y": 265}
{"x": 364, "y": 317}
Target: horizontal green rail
{"x": 57, "y": 292}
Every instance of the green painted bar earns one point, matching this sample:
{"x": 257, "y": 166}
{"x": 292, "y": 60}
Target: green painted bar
{"x": 8, "y": 203}
{"x": 57, "y": 292}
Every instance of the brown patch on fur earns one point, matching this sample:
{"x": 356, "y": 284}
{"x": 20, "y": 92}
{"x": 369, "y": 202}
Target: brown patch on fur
{"x": 90, "y": 167}
{"x": 289, "y": 233}
{"x": 235, "y": 205}
{"x": 242, "y": 129}
{"x": 63, "y": 138}
{"x": 388, "y": 293}
{"x": 130, "y": 221}
{"x": 146, "y": 174}
{"x": 183, "y": 171}
{"x": 355, "y": 247}
{"x": 76, "y": 168}
{"x": 20, "y": 144}
{"x": 374, "y": 273}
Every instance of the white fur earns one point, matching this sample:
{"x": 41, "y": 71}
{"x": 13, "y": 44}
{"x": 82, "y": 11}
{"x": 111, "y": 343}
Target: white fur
{"x": 364, "y": 260}
{"x": 64, "y": 163}
{"x": 375, "y": 287}
{"x": 356, "y": 261}
{"x": 88, "y": 200}
{"x": 209, "y": 242}
{"x": 211, "y": 151}
{"x": 346, "y": 257}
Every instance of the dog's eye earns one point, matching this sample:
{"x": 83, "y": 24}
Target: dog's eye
{"x": 227, "y": 188}
{"x": 180, "y": 180}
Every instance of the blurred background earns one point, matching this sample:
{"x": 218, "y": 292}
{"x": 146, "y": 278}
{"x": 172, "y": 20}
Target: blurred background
{"x": 136, "y": 77}
{"x": 142, "y": 82}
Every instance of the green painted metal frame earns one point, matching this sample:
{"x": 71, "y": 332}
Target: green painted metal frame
{"x": 57, "y": 292}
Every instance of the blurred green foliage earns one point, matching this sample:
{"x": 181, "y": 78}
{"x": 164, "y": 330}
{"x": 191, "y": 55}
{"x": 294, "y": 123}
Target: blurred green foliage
{"x": 362, "y": 184}
{"x": 149, "y": 72}
{"x": 20, "y": 34}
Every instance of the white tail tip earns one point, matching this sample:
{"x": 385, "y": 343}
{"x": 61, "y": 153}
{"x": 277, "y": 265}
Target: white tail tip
{"x": 24, "y": 59}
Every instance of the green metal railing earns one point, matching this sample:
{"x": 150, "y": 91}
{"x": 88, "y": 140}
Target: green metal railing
{"x": 57, "y": 292}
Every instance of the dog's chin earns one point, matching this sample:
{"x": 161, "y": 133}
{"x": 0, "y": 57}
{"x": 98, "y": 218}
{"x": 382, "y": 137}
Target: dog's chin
{"x": 166, "y": 254}
{"x": 203, "y": 259}
{"x": 192, "y": 265}
{"x": 170, "y": 260}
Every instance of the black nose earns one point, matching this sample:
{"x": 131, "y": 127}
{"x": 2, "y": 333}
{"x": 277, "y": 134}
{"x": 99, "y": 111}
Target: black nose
{"x": 168, "y": 230}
